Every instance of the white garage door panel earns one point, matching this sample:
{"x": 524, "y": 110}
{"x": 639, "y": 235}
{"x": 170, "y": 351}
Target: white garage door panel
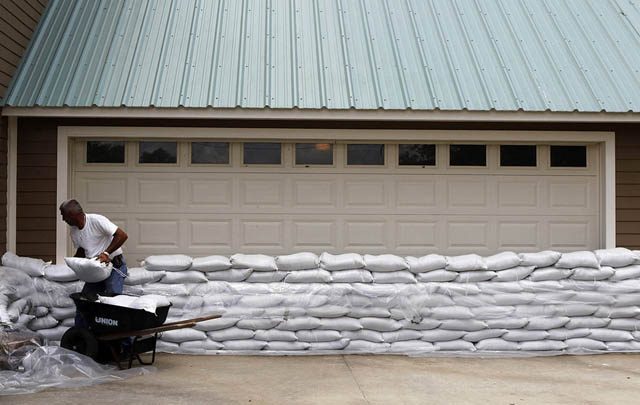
{"x": 202, "y": 211}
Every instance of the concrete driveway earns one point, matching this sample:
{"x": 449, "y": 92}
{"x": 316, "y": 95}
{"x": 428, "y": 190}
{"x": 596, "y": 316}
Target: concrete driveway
{"x": 366, "y": 379}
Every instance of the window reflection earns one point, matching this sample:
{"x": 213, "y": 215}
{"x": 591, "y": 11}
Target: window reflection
{"x": 262, "y": 153}
{"x": 158, "y": 152}
{"x": 210, "y": 152}
{"x": 365, "y": 154}
{"x": 417, "y": 155}
{"x": 105, "y": 152}
{"x": 468, "y": 155}
{"x": 314, "y": 154}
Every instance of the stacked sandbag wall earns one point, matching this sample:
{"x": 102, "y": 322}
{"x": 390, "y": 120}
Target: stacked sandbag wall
{"x": 547, "y": 302}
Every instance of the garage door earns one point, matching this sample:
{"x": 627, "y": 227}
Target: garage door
{"x": 213, "y": 197}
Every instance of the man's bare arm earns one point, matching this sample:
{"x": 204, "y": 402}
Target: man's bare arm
{"x": 118, "y": 240}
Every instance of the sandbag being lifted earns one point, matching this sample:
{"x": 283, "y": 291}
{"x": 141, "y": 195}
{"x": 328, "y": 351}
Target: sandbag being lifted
{"x": 89, "y": 270}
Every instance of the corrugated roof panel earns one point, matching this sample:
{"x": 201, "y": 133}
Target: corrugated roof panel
{"x": 505, "y": 55}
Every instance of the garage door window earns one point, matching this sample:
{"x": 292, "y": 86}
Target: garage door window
{"x": 262, "y": 153}
{"x": 518, "y": 155}
{"x": 416, "y": 155}
{"x": 568, "y": 156}
{"x": 365, "y": 155}
{"x": 158, "y": 152}
{"x": 105, "y": 152}
{"x": 314, "y": 154}
{"x": 468, "y": 155}
{"x": 210, "y": 152}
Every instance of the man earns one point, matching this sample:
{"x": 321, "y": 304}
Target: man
{"x": 94, "y": 235}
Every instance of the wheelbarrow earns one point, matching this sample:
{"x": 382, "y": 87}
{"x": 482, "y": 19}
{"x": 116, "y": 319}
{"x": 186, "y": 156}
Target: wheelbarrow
{"x": 109, "y": 324}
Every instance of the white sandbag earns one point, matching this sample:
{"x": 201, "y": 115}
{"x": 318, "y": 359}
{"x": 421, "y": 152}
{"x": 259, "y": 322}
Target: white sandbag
{"x": 256, "y": 262}
{"x": 590, "y": 274}
{"x": 68, "y": 322}
{"x": 140, "y": 275}
{"x": 422, "y": 324}
{"x": 475, "y": 276}
{"x": 185, "y": 301}
{"x": 625, "y": 324}
{"x": 457, "y": 289}
{"x": 578, "y": 259}
{"x": 267, "y": 277}
{"x": 553, "y": 297}
{"x": 610, "y": 335}
{"x": 455, "y": 346}
{"x": 411, "y": 346}
{"x": 298, "y": 261}
{"x": 89, "y": 270}
{"x": 550, "y": 273}
{"x": 578, "y": 322}
{"x": 18, "y": 307}
{"x": 618, "y": 287}
{"x": 183, "y": 335}
{"x": 167, "y": 263}
{"x": 318, "y": 335}
{"x": 352, "y": 276}
{"x": 24, "y": 319}
{"x": 469, "y": 262}
{"x": 490, "y": 312}
{"x": 366, "y": 346}
{"x": 304, "y": 300}
{"x": 284, "y": 312}
{"x": 150, "y": 303}
{"x": 401, "y": 276}
{"x": 231, "y": 275}
{"x": 59, "y": 272}
{"x": 39, "y": 312}
{"x": 483, "y": 335}
{"x": 364, "y": 334}
{"x": 632, "y": 346}
{"x": 334, "y": 345}
{"x": 384, "y": 263}
{"x": 502, "y": 261}
{"x": 50, "y": 300}
{"x": 468, "y": 325}
{"x": 216, "y": 324}
{"x": 616, "y": 257}
{"x": 210, "y": 263}
{"x": 328, "y": 311}
{"x": 441, "y": 335}
{"x": 497, "y": 345}
{"x": 275, "y": 334}
{"x": 167, "y": 347}
{"x": 380, "y": 324}
{"x": 224, "y": 300}
{"x": 564, "y": 333}
{"x": 595, "y": 298}
{"x": 193, "y": 347}
{"x": 242, "y": 345}
{"x": 426, "y": 263}
{"x": 287, "y": 346}
{"x": 451, "y": 312}
{"x": 342, "y": 324}
{"x": 53, "y": 334}
{"x": 45, "y": 322}
{"x": 28, "y": 265}
{"x": 308, "y": 276}
{"x": 300, "y": 323}
{"x": 529, "y": 311}
{"x": 184, "y": 277}
{"x": 523, "y": 335}
{"x": 341, "y": 262}
{"x": 625, "y": 273}
{"x": 401, "y": 334}
{"x": 232, "y": 333}
{"x": 543, "y": 345}
{"x": 259, "y": 323}
{"x": 436, "y": 276}
{"x": 545, "y": 258}
{"x": 261, "y": 301}
{"x": 575, "y": 310}
{"x": 369, "y": 312}
{"x": 474, "y": 301}
{"x": 537, "y": 323}
{"x": 514, "y": 274}
{"x": 617, "y": 312}
{"x": 507, "y": 287}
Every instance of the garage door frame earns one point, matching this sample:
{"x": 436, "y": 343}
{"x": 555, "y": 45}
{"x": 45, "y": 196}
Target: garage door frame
{"x": 66, "y": 134}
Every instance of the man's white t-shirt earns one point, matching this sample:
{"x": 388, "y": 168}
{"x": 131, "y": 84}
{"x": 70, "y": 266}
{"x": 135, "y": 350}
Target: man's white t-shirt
{"x": 96, "y": 235}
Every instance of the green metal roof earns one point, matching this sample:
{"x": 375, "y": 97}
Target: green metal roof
{"x": 482, "y": 55}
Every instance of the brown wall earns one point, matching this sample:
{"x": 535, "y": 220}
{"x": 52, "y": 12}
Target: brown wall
{"x": 18, "y": 20}
{"x": 37, "y": 206}
{"x": 628, "y": 189}
{"x": 3, "y": 183}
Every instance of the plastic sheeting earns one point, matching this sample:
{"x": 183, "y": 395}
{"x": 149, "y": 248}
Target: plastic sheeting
{"x": 504, "y": 305}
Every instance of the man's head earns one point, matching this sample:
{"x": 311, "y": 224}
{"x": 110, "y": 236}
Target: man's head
{"x": 72, "y": 213}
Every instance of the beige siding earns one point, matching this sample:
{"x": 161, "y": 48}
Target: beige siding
{"x": 18, "y": 20}
{"x": 628, "y": 189}
{"x": 36, "y": 197}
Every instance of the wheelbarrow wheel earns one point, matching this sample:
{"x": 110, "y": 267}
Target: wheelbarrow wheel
{"x": 80, "y": 340}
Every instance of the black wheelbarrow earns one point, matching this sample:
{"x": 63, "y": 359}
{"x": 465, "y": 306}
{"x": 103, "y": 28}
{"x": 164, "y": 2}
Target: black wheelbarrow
{"x": 108, "y": 325}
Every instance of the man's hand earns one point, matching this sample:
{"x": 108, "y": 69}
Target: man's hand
{"x": 104, "y": 258}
